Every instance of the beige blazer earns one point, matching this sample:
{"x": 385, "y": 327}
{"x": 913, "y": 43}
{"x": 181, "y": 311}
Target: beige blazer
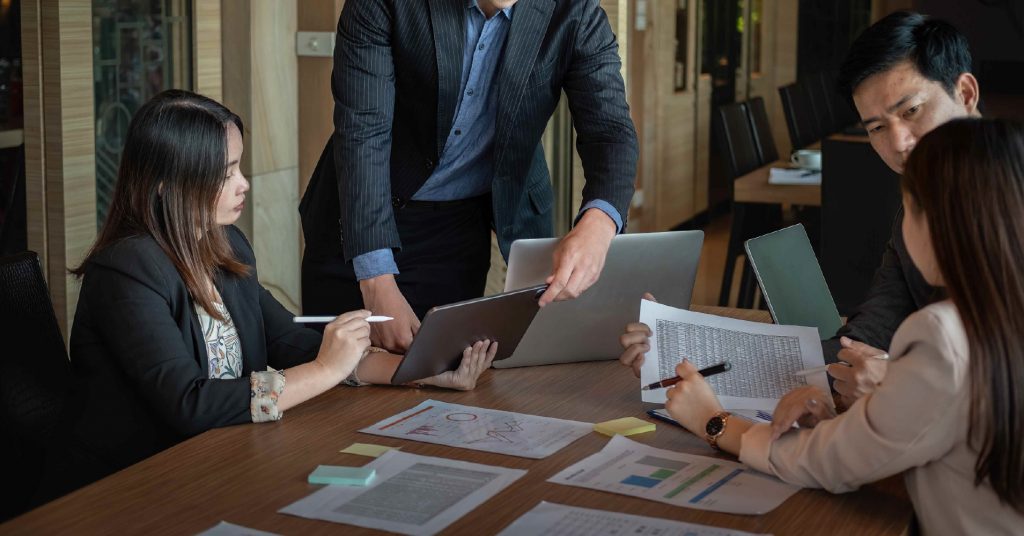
{"x": 915, "y": 423}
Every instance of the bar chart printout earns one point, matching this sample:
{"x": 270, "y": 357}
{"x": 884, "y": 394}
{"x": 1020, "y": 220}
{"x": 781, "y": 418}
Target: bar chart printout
{"x": 468, "y": 427}
{"x": 630, "y": 468}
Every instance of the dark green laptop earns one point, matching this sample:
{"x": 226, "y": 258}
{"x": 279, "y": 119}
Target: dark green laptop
{"x": 791, "y": 280}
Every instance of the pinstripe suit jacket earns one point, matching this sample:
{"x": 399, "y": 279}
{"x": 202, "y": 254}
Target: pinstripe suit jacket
{"x": 396, "y": 79}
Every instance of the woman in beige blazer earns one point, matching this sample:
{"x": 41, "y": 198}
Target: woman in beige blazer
{"x": 950, "y": 411}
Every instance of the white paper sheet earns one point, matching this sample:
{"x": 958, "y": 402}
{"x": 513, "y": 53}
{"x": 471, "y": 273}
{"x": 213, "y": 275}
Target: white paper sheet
{"x": 488, "y": 430}
{"x": 230, "y": 529}
{"x": 629, "y": 468}
{"x": 550, "y": 519}
{"x": 765, "y": 357}
{"x": 793, "y": 176}
{"x": 412, "y": 494}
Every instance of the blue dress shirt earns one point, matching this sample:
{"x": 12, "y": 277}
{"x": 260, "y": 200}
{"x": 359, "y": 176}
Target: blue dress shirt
{"x": 466, "y": 166}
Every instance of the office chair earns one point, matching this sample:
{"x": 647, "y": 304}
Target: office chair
{"x": 762, "y": 129}
{"x": 800, "y": 118}
{"x": 35, "y": 382}
{"x": 739, "y": 147}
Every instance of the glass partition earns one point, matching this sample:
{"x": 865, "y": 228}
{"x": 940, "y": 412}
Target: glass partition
{"x": 140, "y": 48}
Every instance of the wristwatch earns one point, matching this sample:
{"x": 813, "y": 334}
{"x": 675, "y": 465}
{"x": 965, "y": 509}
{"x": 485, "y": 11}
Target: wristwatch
{"x": 715, "y": 428}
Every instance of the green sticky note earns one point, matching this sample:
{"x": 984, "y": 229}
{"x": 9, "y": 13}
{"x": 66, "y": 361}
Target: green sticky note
{"x": 335, "y": 475}
{"x": 625, "y": 426}
{"x": 367, "y": 449}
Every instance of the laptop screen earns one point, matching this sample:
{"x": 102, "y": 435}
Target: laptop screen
{"x": 792, "y": 282}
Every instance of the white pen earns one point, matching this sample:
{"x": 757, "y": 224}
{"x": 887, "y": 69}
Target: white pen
{"x": 823, "y": 368}
{"x": 327, "y": 319}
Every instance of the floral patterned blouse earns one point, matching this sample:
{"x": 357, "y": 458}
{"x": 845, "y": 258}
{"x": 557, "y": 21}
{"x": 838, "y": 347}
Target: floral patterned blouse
{"x": 224, "y": 354}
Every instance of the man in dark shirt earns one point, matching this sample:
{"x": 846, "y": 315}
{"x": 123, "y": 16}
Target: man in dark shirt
{"x": 906, "y": 75}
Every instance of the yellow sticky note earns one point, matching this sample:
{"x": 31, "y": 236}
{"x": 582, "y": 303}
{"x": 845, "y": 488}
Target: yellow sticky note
{"x": 366, "y": 449}
{"x": 625, "y": 426}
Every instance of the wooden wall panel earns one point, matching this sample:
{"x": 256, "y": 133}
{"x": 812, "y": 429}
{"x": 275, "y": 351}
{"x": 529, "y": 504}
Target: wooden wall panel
{"x": 316, "y": 104}
{"x": 32, "y": 74}
{"x": 68, "y": 145}
{"x": 261, "y": 85}
{"x": 675, "y": 115}
{"x": 778, "y": 61}
{"x": 206, "y": 49}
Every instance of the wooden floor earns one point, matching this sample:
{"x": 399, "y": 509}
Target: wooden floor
{"x": 712, "y": 263}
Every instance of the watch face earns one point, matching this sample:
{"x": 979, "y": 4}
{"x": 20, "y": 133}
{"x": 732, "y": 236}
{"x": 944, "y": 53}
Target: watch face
{"x": 715, "y": 425}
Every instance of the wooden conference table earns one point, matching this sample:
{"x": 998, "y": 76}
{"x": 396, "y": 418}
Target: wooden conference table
{"x": 754, "y": 188}
{"x": 244, "y": 474}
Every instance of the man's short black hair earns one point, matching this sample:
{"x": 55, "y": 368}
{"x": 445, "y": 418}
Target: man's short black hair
{"x": 939, "y": 51}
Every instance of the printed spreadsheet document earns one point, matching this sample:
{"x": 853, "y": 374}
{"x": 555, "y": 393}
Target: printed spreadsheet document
{"x": 411, "y": 494}
{"x": 764, "y": 357}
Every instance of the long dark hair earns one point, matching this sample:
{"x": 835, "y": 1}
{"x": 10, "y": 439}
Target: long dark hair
{"x": 171, "y": 172}
{"x": 968, "y": 178}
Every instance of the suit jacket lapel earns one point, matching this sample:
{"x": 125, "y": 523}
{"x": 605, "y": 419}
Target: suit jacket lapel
{"x": 529, "y": 23}
{"x": 448, "y": 22}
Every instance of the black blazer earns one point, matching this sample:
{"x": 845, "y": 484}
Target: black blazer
{"x": 397, "y": 69}
{"x": 140, "y": 360}
{"x": 897, "y": 291}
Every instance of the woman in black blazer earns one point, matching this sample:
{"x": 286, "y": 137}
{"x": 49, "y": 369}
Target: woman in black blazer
{"x": 174, "y": 334}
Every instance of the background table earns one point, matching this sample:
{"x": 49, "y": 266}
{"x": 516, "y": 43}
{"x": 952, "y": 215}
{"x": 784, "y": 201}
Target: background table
{"x": 754, "y": 188}
{"x": 244, "y": 474}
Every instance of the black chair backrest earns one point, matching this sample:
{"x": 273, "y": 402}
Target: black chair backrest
{"x": 762, "y": 130}
{"x": 844, "y": 114}
{"x": 736, "y": 139}
{"x": 821, "y": 103}
{"x": 36, "y": 378}
{"x": 800, "y": 120}
{"x": 853, "y": 239}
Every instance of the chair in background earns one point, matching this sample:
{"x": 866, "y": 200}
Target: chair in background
{"x": 762, "y": 129}
{"x": 738, "y": 144}
{"x": 860, "y": 197}
{"x": 35, "y": 383}
{"x": 845, "y": 117}
{"x": 821, "y": 104}
{"x": 800, "y": 120}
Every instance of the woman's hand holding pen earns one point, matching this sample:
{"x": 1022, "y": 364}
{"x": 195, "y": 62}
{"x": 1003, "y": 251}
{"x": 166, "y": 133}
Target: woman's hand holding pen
{"x": 636, "y": 342}
{"x": 691, "y": 402}
{"x": 867, "y": 368}
{"x": 344, "y": 342}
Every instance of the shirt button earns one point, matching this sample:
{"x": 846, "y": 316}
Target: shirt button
{"x": 481, "y": 47}
{"x": 458, "y": 132}
{"x": 469, "y": 92}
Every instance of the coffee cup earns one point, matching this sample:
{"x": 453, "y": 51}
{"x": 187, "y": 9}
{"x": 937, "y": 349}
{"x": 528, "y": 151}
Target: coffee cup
{"x": 807, "y": 159}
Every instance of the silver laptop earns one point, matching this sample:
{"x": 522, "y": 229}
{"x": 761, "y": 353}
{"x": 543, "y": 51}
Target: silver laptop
{"x": 588, "y": 328}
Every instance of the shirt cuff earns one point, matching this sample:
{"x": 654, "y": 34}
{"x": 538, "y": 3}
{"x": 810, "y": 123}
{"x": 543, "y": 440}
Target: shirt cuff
{"x": 265, "y": 390}
{"x": 374, "y": 263}
{"x": 756, "y": 447}
{"x": 605, "y": 207}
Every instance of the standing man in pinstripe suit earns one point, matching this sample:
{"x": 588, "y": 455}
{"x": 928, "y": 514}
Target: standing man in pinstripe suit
{"x": 439, "y": 110}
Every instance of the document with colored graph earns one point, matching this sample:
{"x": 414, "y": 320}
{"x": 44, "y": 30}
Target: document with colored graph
{"x": 629, "y": 468}
{"x": 454, "y": 425}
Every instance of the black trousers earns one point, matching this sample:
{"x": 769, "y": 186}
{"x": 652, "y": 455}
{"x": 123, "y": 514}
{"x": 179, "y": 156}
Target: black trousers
{"x": 445, "y": 256}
